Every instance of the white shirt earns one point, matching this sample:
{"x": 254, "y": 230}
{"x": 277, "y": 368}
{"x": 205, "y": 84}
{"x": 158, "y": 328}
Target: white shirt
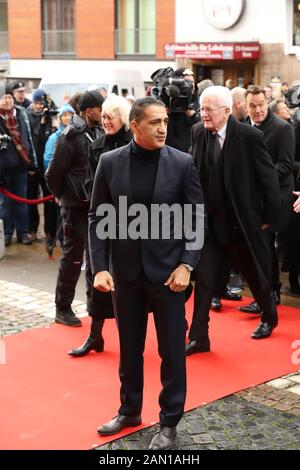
{"x": 222, "y": 135}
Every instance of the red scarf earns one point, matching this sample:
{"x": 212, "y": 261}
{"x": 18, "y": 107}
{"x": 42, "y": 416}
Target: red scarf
{"x": 12, "y": 126}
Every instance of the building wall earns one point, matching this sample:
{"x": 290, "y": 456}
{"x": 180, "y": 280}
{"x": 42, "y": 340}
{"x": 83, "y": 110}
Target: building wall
{"x": 95, "y": 27}
{"x": 268, "y": 22}
{"x": 274, "y": 62}
{"x": 24, "y": 29}
{"x": 263, "y": 21}
{"x": 95, "y": 24}
{"x": 165, "y": 25}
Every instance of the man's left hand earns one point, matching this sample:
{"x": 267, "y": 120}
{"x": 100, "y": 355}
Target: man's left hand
{"x": 179, "y": 279}
{"x": 297, "y": 203}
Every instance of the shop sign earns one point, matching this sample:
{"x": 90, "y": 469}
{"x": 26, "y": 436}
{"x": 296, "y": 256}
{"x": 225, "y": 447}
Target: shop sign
{"x": 213, "y": 51}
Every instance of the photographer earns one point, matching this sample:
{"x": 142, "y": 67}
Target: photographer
{"x": 178, "y": 92}
{"x": 16, "y": 158}
{"x": 292, "y": 95}
{"x": 40, "y": 115}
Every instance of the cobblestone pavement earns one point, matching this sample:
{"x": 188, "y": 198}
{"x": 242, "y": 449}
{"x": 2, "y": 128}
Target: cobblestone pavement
{"x": 263, "y": 417}
{"x": 228, "y": 424}
{"x": 22, "y": 307}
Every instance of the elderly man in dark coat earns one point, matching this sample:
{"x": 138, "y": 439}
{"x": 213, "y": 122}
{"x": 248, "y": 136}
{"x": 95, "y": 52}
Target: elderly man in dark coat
{"x": 241, "y": 193}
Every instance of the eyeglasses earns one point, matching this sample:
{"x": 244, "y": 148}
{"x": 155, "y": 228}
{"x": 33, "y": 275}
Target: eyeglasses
{"x": 210, "y": 110}
{"x": 254, "y": 106}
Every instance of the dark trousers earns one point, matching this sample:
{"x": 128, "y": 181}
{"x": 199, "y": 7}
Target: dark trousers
{"x": 275, "y": 273}
{"x": 213, "y": 258}
{"x": 75, "y": 224}
{"x": 223, "y": 278}
{"x": 13, "y": 213}
{"x": 34, "y": 183}
{"x": 132, "y": 303}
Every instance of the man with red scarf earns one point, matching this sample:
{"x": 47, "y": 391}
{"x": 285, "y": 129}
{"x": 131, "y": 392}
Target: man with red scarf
{"x": 16, "y": 157}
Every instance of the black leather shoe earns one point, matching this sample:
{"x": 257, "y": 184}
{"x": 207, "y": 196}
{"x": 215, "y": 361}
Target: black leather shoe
{"x": 67, "y": 317}
{"x": 216, "y": 304}
{"x": 263, "y": 330}
{"x": 164, "y": 439}
{"x": 90, "y": 345}
{"x": 228, "y": 295}
{"x": 194, "y": 346}
{"x": 118, "y": 423}
{"x": 7, "y": 240}
{"x": 251, "y": 308}
{"x": 24, "y": 239}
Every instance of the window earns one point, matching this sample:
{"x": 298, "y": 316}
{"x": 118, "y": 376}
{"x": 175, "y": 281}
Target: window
{"x": 135, "y": 27}
{"x": 3, "y": 26}
{"x": 58, "y": 23}
{"x": 296, "y": 24}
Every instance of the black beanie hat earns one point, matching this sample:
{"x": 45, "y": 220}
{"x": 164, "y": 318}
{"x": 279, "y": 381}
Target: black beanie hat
{"x": 90, "y": 99}
{"x": 5, "y": 90}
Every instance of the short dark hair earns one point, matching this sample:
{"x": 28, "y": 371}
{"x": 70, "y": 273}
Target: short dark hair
{"x": 255, "y": 90}
{"x": 139, "y": 106}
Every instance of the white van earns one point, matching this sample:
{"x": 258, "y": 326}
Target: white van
{"x": 122, "y": 82}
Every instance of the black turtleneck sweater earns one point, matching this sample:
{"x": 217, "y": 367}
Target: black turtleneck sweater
{"x": 143, "y": 170}
{"x": 113, "y": 141}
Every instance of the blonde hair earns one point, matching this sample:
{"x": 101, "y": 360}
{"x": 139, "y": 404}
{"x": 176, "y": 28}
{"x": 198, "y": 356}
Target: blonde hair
{"x": 115, "y": 105}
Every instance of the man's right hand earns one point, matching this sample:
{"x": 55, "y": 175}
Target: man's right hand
{"x": 104, "y": 282}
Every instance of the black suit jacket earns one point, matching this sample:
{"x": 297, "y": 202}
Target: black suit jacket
{"x": 176, "y": 183}
{"x": 250, "y": 180}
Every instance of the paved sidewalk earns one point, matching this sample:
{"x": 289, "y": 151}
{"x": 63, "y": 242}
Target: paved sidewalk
{"x": 23, "y": 307}
{"x": 263, "y": 417}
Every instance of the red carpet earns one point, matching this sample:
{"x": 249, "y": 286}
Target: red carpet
{"x": 51, "y": 401}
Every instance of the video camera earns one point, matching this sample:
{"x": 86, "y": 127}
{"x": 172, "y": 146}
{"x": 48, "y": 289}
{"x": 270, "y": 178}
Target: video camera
{"x": 292, "y": 96}
{"x": 173, "y": 90}
{"x": 4, "y": 139}
{"x": 49, "y": 106}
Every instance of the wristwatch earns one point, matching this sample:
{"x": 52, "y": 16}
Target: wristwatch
{"x": 188, "y": 267}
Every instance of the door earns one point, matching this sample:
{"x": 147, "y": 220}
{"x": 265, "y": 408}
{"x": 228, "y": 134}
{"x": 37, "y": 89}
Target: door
{"x": 242, "y": 74}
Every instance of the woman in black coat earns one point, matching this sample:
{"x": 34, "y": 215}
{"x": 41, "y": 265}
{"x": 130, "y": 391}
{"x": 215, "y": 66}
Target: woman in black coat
{"x": 115, "y": 123}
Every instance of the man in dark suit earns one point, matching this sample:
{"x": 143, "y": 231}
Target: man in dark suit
{"x": 241, "y": 194}
{"x": 280, "y": 142}
{"x": 147, "y": 271}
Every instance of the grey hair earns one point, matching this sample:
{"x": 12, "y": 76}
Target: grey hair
{"x": 222, "y": 94}
{"x": 238, "y": 93}
{"x": 204, "y": 84}
{"x": 116, "y": 105}
{"x": 273, "y": 106}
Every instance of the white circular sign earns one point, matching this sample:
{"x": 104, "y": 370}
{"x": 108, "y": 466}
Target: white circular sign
{"x": 223, "y": 14}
